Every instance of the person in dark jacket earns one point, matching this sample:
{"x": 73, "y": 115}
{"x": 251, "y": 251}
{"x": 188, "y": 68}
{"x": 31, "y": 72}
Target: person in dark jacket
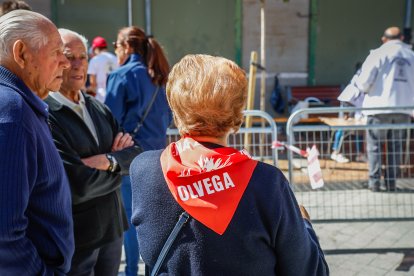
{"x": 95, "y": 154}
{"x": 136, "y": 96}
{"x": 36, "y": 230}
{"x": 244, "y": 218}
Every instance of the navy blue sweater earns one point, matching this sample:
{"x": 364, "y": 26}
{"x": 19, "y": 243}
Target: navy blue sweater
{"x": 267, "y": 235}
{"x": 36, "y": 231}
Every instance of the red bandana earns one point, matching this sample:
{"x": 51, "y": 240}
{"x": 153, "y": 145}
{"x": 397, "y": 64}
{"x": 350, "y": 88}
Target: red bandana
{"x": 207, "y": 183}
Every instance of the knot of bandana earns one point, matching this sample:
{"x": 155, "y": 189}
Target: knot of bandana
{"x": 207, "y": 183}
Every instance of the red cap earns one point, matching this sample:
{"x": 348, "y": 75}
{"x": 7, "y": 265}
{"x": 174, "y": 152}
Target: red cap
{"x": 99, "y": 42}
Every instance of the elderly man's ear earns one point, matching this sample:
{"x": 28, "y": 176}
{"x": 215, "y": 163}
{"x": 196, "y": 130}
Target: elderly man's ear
{"x": 20, "y": 53}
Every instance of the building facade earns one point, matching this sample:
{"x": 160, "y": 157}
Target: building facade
{"x": 314, "y": 42}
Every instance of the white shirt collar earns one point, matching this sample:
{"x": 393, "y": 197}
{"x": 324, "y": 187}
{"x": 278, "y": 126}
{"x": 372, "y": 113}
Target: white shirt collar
{"x": 65, "y": 101}
{"x": 79, "y": 108}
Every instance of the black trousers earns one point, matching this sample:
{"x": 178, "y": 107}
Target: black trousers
{"x": 103, "y": 261}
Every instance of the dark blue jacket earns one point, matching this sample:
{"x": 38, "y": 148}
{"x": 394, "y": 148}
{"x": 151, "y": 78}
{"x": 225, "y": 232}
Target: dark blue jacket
{"x": 129, "y": 92}
{"x": 267, "y": 235}
{"x": 36, "y": 229}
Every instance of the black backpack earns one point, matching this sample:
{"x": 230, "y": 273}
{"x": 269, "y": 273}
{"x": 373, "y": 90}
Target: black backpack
{"x": 276, "y": 99}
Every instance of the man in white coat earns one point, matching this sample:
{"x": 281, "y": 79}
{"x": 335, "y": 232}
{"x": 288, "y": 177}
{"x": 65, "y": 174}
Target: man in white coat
{"x": 387, "y": 78}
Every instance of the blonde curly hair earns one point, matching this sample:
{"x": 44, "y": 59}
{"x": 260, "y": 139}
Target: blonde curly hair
{"x": 207, "y": 95}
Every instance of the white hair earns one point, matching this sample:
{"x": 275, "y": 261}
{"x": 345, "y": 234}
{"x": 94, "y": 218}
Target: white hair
{"x": 64, "y": 32}
{"x": 24, "y": 25}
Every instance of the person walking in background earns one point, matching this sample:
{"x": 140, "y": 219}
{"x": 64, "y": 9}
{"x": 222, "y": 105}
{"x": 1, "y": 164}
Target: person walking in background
{"x": 101, "y": 64}
{"x": 136, "y": 96}
{"x": 95, "y": 154}
{"x": 351, "y": 95}
{"x": 244, "y": 218}
{"x": 36, "y": 230}
{"x": 387, "y": 78}
{"x": 336, "y": 155}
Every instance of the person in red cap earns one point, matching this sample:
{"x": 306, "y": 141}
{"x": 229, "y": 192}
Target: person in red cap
{"x": 99, "y": 68}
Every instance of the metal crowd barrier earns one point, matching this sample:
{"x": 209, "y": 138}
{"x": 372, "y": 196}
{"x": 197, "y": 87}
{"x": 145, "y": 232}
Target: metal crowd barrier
{"x": 256, "y": 139}
{"x": 345, "y": 194}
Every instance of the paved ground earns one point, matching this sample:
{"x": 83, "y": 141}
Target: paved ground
{"x": 368, "y": 248}
{"x": 364, "y": 248}
{"x": 122, "y": 268}
{"x": 356, "y": 248}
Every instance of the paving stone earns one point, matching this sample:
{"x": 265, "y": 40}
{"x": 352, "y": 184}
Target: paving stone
{"x": 366, "y": 236}
{"x": 388, "y": 261}
{"x": 359, "y": 236}
{"x": 371, "y": 271}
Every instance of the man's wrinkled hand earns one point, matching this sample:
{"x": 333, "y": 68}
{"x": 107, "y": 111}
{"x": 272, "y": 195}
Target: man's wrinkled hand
{"x": 122, "y": 141}
{"x": 99, "y": 162}
{"x": 304, "y": 213}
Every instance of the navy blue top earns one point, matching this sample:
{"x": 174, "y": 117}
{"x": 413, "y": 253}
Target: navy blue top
{"x": 36, "y": 229}
{"x": 266, "y": 236}
{"x": 129, "y": 92}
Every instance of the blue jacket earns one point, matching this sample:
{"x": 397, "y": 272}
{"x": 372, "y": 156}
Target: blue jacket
{"x": 266, "y": 236}
{"x": 129, "y": 92}
{"x": 36, "y": 229}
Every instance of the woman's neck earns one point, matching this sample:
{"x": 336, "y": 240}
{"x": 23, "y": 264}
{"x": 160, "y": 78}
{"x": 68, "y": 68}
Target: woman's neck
{"x": 215, "y": 140}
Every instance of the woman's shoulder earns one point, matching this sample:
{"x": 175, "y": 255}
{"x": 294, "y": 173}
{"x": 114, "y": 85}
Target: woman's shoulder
{"x": 268, "y": 169}
{"x": 128, "y": 71}
{"x": 145, "y": 161}
{"x": 269, "y": 177}
{"x": 145, "y": 169}
{"x": 121, "y": 70}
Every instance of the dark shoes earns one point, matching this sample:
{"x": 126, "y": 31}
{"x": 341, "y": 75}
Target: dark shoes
{"x": 375, "y": 189}
{"x": 390, "y": 187}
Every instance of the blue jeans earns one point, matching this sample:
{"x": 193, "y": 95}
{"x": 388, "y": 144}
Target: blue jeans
{"x": 338, "y": 136}
{"x": 130, "y": 237}
{"x": 337, "y": 141}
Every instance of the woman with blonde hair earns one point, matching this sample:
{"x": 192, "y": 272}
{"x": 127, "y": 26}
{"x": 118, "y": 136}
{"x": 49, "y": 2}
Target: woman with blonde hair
{"x": 242, "y": 217}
